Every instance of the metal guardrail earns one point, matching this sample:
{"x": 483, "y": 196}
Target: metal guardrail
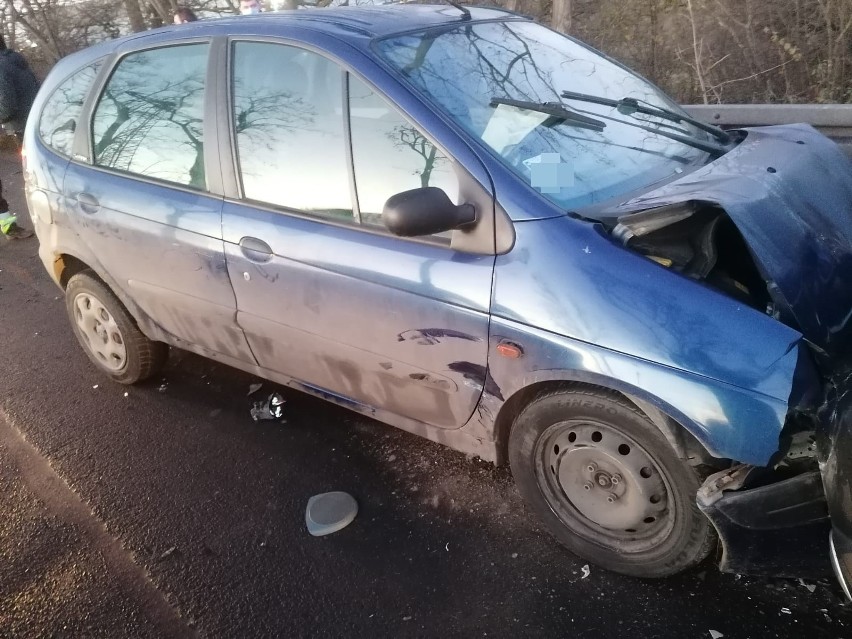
{"x": 832, "y": 120}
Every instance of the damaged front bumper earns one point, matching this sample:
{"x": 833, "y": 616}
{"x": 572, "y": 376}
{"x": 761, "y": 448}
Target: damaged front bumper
{"x": 793, "y": 519}
{"x": 766, "y": 525}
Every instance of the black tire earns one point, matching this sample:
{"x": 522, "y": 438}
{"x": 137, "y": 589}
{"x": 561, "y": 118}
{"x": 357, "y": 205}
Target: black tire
{"x": 551, "y": 444}
{"x": 141, "y": 358}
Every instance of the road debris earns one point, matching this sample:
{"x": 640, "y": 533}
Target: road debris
{"x": 168, "y": 553}
{"x": 253, "y": 388}
{"x": 163, "y": 387}
{"x": 215, "y": 412}
{"x": 126, "y": 394}
{"x": 586, "y": 571}
{"x": 329, "y": 512}
{"x": 715, "y": 634}
{"x": 95, "y": 386}
{"x": 271, "y": 408}
{"x": 786, "y": 611}
{"x": 810, "y": 587}
{"x": 514, "y": 555}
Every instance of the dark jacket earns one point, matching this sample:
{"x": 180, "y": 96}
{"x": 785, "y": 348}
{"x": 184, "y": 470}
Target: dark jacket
{"x": 18, "y": 89}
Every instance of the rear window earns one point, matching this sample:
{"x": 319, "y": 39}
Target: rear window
{"x": 61, "y": 111}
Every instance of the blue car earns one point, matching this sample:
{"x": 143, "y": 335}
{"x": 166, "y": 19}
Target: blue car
{"x": 473, "y": 228}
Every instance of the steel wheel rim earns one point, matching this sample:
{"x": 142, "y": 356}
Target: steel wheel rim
{"x": 604, "y": 486}
{"x": 100, "y": 332}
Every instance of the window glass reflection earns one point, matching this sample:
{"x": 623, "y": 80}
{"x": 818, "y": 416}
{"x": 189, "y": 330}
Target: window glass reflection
{"x": 465, "y": 68}
{"x": 59, "y": 118}
{"x": 149, "y": 119}
{"x": 390, "y": 155}
{"x": 289, "y": 129}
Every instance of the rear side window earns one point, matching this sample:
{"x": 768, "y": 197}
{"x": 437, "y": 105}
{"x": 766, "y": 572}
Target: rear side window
{"x": 149, "y": 119}
{"x": 61, "y": 111}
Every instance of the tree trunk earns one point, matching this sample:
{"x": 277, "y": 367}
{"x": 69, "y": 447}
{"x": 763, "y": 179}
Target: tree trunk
{"x": 134, "y": 13}
{"x": 561, "y": 15}
{"x": 512, "y": 5}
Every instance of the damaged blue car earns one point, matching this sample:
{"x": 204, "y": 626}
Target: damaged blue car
{"x": 478, "y": 230}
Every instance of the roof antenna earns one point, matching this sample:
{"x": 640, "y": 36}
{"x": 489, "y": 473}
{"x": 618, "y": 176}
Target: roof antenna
{"x": 465, "y": 11}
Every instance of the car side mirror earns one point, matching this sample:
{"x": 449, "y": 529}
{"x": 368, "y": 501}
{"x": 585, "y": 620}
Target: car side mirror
{"x": 425, "y": 211}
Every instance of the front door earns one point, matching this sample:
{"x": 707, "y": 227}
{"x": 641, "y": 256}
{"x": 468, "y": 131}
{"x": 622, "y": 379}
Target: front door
{"x": 324, "y": 294}
{"x": 148, "y": 216}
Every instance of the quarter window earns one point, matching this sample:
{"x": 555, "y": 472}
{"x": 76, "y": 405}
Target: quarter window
{"x": 390, "y": 155}
{"x": 149, "y": 118}
{"x": 61, "y": 111}
{"x": 288, "y": 123}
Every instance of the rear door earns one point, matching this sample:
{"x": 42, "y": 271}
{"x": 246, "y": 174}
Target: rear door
{"x": 324, "y": 294}
{"x": 144, "y": 203}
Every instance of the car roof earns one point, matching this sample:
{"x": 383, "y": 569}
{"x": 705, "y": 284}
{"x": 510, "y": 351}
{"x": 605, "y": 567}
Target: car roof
{"x": 348, "y": 23}
{"x": 375, "y": 20}
{"x": 356, "y": 25}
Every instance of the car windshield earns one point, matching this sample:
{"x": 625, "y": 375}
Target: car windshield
{"x": 484, "y": 74}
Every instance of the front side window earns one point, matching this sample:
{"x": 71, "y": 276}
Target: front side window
{"x": 506, "y": 83}
{"x": 390, "y": 155}
{"x": 289, "y": 129}
{"x": 149, "y": 119}
{"x": 59, "y": 117}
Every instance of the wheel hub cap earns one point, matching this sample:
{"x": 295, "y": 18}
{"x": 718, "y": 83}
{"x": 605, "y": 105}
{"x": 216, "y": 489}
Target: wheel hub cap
{"x": 100, "y": 332}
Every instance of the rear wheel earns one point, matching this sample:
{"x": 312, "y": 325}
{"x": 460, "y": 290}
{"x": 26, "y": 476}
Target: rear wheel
{"x": 108, "y": 333}
{"x": 607, "y": 484}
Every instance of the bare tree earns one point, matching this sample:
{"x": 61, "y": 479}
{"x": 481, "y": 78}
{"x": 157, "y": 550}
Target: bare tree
{"x": 562, "y": 14}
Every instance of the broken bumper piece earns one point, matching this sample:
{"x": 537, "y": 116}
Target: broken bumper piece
{"x": 767, "y": 526}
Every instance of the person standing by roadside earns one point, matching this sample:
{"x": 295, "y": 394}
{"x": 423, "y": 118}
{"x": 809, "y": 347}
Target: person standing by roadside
{"x": 250, "y": 7}
{"x": 184, "y": 15}
{"x": 18, "y": 89}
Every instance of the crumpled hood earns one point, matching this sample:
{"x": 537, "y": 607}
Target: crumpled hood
{"x": 788, "y": 189}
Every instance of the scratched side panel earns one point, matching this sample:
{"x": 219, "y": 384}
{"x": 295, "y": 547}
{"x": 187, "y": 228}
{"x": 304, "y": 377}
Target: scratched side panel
{"x": 163, "y": 247}
{"x": 388, "y": 323}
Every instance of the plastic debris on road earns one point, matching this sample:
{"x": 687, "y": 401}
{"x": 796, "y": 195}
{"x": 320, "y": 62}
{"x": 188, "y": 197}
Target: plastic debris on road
{"x": 253, "y": 388}
{"x": 271, "y": 408}
{"x": 329, "y": 512}
{"x": 586, "y": 571}
{"x": 810, "y": 587}
{"x": 171, "y": 551}
{"x": 786, "y": 611}
{"x": 715, "y": 634}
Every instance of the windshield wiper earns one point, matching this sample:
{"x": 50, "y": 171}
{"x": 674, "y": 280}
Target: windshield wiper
{"x": 555, "y": 110}
{"x": 629, "y": 106}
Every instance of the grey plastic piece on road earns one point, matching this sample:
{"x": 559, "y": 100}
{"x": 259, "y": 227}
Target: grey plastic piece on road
{"x": 329, "y": 512}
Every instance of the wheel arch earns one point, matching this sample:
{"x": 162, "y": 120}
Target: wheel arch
{"x": 683, "y": 435}
{"x": 67, "y": 265}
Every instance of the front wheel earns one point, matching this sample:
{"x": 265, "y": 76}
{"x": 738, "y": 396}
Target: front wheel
{"x": 607, "y": 484}
{"x": 108, "y": 333}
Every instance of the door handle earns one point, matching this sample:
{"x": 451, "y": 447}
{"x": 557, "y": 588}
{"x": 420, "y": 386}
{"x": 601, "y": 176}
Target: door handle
{"x": 88, "y": 203}
{"x": 255, "y": 250}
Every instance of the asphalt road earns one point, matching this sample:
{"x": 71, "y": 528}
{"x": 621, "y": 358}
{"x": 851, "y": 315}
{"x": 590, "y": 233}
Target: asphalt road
{"x": 163, "y": 510}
